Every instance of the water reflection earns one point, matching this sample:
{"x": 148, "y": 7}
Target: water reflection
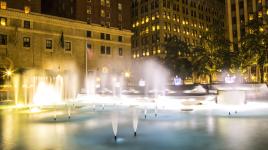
{"x": 170, "y": 130}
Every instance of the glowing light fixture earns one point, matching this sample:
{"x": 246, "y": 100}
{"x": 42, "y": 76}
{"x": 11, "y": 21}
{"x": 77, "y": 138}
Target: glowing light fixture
{"x": 127, "y": 74}
{"x": 27, "y": 9}
{"x": 3, "y": 21}
{"x": 142, "y": 83}
{"x": 3, "y": 5}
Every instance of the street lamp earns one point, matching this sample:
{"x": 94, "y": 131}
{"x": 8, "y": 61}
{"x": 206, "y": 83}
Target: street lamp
{"x": 8, "y": 73}
{"x": 127, "y": 74}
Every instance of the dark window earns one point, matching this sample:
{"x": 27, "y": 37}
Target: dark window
{"x": 102, "y": 49}
{"x": 3, "y": 39}
{"x": 89, "y": 45}
{"x": 233, "y": 7}
{"x": 120, "y": 38}
{"x": 68, "y": 46}
{"x": 88, "y": 34}
{"x": 102, "y": 36}
{"x": 120, "y": 51}
{"x": 108, "y": 37}
{"x": 108, "y": 50}
{"x": 2, "y": 80}
{"x": 48, "y": 44}
{"x": 26, "y": 24}
{"x": 26, "y": 42}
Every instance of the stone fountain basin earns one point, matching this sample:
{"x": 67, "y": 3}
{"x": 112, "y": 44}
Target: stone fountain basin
{"x": 235, "y": 94}
{"x": 231, "y": 97}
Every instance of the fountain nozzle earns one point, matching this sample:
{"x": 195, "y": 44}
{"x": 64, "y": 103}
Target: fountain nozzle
{"x": 135, "y": 133}
{"x": 115, "y": 138}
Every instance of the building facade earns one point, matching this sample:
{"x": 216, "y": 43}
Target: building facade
{"x": 108, "y": 13}
{"x": 26, "y": 5}
{"x": 238, "y": 13}
{"x": 155, "y": 21}
{"x": 37, "y": 41}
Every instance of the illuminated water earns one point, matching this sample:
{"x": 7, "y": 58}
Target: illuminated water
{"x": 92, "y": 130}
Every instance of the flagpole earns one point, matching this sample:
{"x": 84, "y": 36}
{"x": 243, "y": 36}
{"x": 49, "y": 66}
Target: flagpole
{"x": 86, "y": 61}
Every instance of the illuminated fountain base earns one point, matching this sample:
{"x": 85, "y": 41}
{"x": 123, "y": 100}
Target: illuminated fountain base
{"x": 231, "y": 97}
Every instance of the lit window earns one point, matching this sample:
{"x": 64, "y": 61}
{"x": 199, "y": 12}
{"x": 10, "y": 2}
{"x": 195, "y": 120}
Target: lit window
{"x": 142, "y": 21}
{"x": 3, "y": 21}
{"x": 26, "y": 42}
{"x": 102, "y": 13}
{"x": 48, "y": 44}
{"x": 27, "y": 9}
{"x": 3, "y": 39}
{"x": 153, "y": 28}
{"x": 68, "y": 46}
{"x": 250, "y": 17}
{"x": 137, "y": 23}
{"x": 108, "y": 3}
{"x": 147, "y": 19}
{"x": 3, "y": 5}
{"x": 102, "y": 2}
{"x": 120, "y": 6}
{"x": 260, "y": 14}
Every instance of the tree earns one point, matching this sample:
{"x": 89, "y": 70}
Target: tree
{"x": 208, "y": 58}
{"x": 255, "y": 44}
{"x": 177, "y": 58}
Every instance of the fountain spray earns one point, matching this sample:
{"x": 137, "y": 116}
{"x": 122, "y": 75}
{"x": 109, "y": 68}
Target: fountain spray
{"x": 145, "y": 112}
{"x": 155, "y": 111}
{"x": 55, "y": 113}
{"x": 69, "y": 112}
{"x": 135, "y": 122}
{"x": 115, "y": 124}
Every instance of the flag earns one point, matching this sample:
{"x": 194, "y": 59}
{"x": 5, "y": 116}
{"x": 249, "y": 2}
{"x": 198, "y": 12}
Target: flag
{"x": 62, "y": 40}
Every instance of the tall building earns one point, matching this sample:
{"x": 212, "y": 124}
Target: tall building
{"x": 26, "y": 5}
{"x": 155, "y": 21}
{"x": 238, "y": 13}
{"x": 108, "y": 13}
{"x": 37, "y": 41}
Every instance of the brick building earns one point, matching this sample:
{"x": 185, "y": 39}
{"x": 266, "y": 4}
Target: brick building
{"x": 108, "y": 13}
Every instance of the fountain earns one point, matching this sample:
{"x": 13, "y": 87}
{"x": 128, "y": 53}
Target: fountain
{"x": 115, "y": 124}
{"x": 155, "y": 110}
{"x": 145, "y": 112}
{"x": 135, "y": 121}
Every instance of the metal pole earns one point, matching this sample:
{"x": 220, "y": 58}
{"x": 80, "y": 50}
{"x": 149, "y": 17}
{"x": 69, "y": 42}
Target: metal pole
{"x": 86, "y": 59}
